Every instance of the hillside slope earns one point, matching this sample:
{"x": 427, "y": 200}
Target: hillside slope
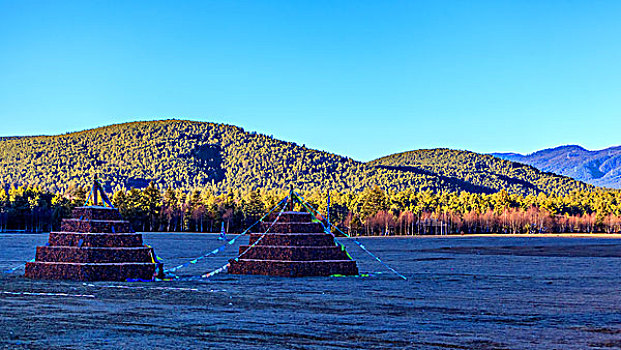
{"x": 191, "y": 154}
{"x": 600, "y": 168}
{"x": 480, "y": 170}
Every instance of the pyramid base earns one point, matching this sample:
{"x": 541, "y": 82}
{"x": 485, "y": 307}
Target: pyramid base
{"x": 90, "y": 271}
{"x": 284, "y": 268}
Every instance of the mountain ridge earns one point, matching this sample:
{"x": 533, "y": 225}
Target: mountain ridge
{"x": 598, "y": 167}
{"x": 190, "y": 154}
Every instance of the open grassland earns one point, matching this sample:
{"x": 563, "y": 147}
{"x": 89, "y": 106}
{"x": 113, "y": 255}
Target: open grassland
{"x": 470, "y": 293}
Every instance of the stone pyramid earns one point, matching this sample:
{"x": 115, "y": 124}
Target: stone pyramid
{"x": 96, "y": 244}
{"x": 294, "y": 247}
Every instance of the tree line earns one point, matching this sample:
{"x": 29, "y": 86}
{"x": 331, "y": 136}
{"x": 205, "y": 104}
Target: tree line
{"x": 373, "y": 211}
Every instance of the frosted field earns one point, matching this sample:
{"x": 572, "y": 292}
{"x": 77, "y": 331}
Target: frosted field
{"x": 461, "y": 293}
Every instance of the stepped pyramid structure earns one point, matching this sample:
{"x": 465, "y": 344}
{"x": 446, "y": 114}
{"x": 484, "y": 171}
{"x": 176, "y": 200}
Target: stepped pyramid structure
{"x": 294, "y": 247}
{"x": 96, "y": 244}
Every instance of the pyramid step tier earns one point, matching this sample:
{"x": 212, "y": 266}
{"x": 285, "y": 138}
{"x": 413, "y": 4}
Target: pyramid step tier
{"x": 95, "y": 254}
{"x": 292, "y": 227}
{"x": 260, "y": 252}
{"x": 102, "y": 226}
{"x": 293, "y": 268}
{"x": 292, "y": 239}
{"x": 87, "y": 239}
{"x": 290, "y": 216}
{"x": 96, "y": 213}
{"x": 90, "y": 271}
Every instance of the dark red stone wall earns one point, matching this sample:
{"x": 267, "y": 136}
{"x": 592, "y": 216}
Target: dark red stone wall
{"x": 293, "y": 253}
{"x": 90, "y": 272}
{"x": 105, "y": 226}
{"x": 94, "y": 254}
{"x": 293, "y": 268}
{"x": 293, "y": 239}
{"x": 71, "y": 239}
{"x": 293, "y": 227}
{"x": 95, "y": 213}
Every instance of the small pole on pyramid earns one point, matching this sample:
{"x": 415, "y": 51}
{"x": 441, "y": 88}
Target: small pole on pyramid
{"x": 291, "y": 207}
{"x": 97, "y": 191}
{"x": 328, "y": 212}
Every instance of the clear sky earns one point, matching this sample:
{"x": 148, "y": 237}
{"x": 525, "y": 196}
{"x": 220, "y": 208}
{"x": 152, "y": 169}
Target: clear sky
{"x": 357, "y": 78}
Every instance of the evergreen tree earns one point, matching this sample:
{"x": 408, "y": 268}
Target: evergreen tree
{"x": 151, "y": 198}
{"x": 374, "y": 200}
{"x": 253, "y": 207}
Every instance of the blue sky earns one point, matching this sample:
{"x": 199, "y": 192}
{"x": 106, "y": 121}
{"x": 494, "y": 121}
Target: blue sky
{"x": 357, "y": 78}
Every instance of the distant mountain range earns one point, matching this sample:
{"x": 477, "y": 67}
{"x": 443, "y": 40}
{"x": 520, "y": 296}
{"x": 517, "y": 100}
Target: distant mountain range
{"x": 599, "y": 168}
{"x": 187, "y": 154}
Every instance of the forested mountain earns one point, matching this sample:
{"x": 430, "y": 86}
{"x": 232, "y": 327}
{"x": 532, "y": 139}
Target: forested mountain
{"x": 4, "y": 138}
{"x": 600, "y": 168}
{"x": 484, "y": 173}
{"x": 187, "y": 154}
